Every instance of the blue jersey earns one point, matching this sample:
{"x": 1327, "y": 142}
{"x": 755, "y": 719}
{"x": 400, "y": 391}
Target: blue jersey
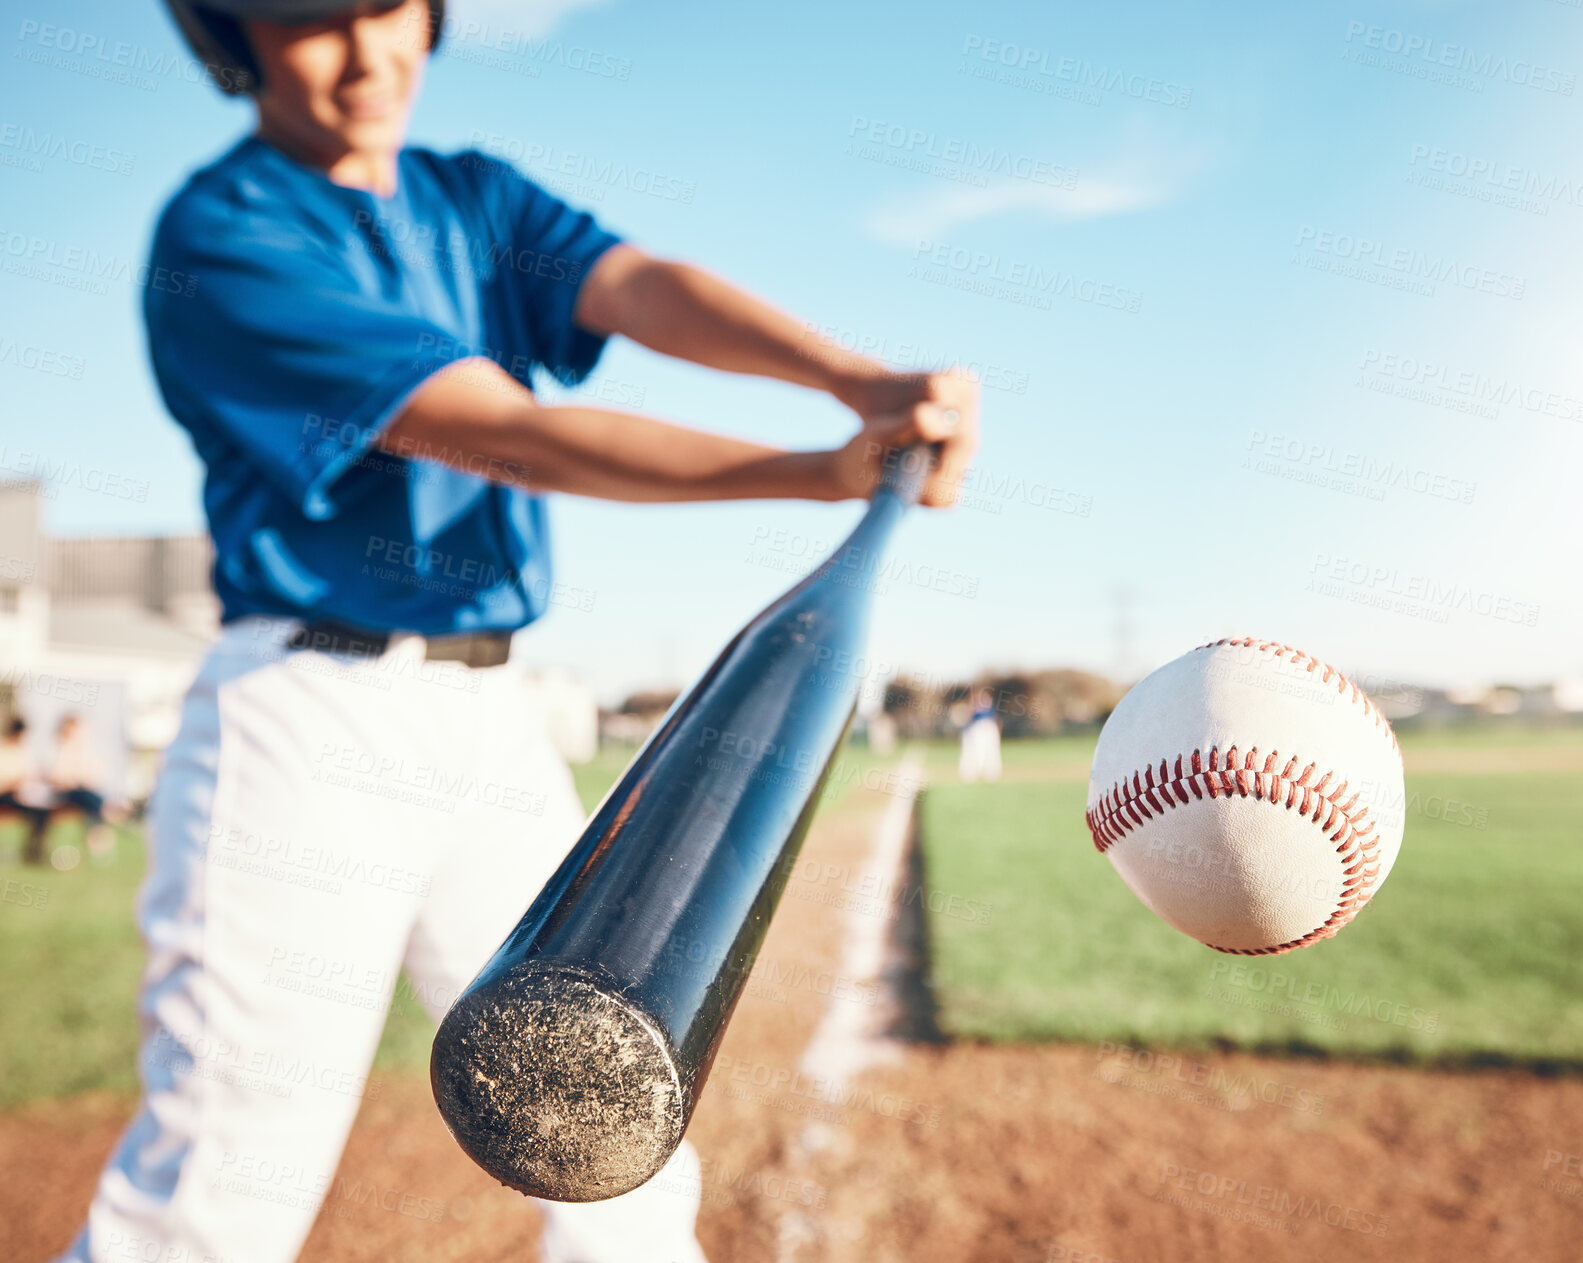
{"x": 307, "y": 315}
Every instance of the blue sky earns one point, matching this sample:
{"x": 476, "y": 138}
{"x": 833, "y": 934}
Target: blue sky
{"x": 1277, "y": 306}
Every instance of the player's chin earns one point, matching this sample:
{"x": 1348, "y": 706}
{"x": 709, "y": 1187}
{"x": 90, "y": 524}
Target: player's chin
{"x": 386, "y": 132}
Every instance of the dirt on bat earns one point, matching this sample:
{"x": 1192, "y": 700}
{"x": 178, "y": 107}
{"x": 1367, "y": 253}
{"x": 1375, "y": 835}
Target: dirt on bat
{"x": 556, "y": 1088}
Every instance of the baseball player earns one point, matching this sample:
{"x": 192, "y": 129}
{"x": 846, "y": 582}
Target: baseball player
{"x": 350, "y": 331}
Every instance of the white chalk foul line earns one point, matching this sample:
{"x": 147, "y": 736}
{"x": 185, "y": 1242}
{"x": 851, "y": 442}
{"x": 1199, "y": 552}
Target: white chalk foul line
{"x": 850, "y": 1037}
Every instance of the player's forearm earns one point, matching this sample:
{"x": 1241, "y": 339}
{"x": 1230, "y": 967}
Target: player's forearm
{"x": 690, "y": 314}
{"x": 593, "y": 451}
{"x": 621, "y": 456}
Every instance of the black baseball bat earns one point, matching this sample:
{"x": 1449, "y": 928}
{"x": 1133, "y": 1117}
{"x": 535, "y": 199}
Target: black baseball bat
{"x": 570, "y": 1066}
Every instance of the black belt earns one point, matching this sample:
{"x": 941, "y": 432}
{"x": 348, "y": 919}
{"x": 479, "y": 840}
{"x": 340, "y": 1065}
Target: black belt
{"x": 473, "y": 649}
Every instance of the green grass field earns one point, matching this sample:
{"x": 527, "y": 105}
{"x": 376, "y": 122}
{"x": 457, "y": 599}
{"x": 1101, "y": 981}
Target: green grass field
{"x": 1469, "y": 951}
{"x": 1468, "y": 954}
{"x": 73, "y": 956}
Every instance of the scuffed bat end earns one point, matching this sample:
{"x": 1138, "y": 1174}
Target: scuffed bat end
{"x": 556, "y": 1087}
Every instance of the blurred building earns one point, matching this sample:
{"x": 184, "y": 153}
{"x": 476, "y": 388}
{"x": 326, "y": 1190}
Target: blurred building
{"x": 111, "y": 629}
{"x": 1561, "y": 702}
{"x": 114, "y": 629}
{"x": 1568, "y": 696}
{"x": 632, "y": 721}
{"x": 1028, "y": 704}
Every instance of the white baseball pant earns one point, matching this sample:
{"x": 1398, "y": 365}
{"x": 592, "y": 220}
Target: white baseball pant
{"x": 323, "y": 822}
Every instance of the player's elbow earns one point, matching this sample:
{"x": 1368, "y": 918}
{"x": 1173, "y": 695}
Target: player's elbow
{"x": 611, "y": 298}
{"x": 469, "y": 412}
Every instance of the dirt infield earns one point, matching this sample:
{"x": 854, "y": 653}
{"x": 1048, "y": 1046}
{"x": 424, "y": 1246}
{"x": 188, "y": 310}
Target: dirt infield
{"x": 961, "y": 1152}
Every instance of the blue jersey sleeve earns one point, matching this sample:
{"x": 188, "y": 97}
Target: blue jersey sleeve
{"x": 273, "y": 352}
{"x": 545, "y": 251}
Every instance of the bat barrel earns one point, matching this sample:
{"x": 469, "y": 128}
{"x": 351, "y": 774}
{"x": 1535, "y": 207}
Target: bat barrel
{"x": 570, "y": 1066}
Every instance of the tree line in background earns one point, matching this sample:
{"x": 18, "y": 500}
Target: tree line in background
{"x": 1027, "y": 703}
{"x": 1043, "y": 703}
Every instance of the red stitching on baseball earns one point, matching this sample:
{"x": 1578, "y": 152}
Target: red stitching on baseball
{"x": 1124, "y": 808}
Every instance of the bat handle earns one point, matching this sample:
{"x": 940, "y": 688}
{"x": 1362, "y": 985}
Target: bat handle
{"x": 906, "y": 470}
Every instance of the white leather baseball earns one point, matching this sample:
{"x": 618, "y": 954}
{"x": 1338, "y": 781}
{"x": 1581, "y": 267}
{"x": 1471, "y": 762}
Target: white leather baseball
{"x": 1250, "y": 795}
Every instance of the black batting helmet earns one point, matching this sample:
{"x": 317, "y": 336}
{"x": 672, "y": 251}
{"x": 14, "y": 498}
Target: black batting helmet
{"x": 213, "y": 29}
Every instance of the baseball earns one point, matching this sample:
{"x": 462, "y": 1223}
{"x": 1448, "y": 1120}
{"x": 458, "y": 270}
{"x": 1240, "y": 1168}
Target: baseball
{"x": 1250, "y": 795}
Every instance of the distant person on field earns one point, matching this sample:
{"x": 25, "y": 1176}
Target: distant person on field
{"x": 76, "y": 776}
{"x": 20, "y": 789}
{"x": 980, "y": 760}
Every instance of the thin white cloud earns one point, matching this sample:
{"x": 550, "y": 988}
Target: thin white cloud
{"x": 529, "y": 19}
{"x": 930, "y": 216}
